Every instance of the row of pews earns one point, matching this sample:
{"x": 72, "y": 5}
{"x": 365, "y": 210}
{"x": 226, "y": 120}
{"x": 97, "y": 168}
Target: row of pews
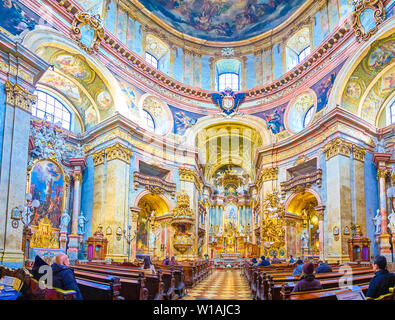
{"x": 31, "y": 289}
{"x": 276, "y": 282}
{"x": 118, "y": 281}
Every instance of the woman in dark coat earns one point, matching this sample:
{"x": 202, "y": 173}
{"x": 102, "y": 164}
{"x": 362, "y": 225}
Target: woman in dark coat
{"x": 307, "y": 281}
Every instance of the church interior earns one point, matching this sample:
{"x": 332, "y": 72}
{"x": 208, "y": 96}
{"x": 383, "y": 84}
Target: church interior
{"x": 196, "y": 136}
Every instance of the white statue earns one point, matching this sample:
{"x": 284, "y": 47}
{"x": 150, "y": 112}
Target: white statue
{"x": 304, "y": 237}
{"x": 81, "y": 223}
{"x": 377, "y": 221}
{"x": 64, "y": 221}
{"x": 391, "y": 221}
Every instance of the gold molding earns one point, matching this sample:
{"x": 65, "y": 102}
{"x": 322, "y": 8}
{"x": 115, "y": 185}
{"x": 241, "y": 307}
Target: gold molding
{"x": 84, "y": 18}
{"x": 16, "y": 96}
{"x": 358, "y": 153}
{"x": 114, "y": 152}
{"x": 336, "y": 147}
{"x": 379, "y": 16}
{"x": 190, "y": 176}
{"x": 77, "y": 176}
{"x": 381, "y": 173}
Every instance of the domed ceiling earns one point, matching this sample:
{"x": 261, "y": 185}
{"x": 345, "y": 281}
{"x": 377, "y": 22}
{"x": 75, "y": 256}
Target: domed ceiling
{"x": 222, "y": 20}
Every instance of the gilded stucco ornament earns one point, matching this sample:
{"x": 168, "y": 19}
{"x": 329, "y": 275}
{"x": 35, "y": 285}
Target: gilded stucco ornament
{"x": 16, "y": 96}
{"x": 361, "y": 8}
{"x": 87, "y": 31}
{"x": 336, "y": 147}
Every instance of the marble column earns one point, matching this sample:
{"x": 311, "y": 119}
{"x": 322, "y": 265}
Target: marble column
{"x": 359, "y": 187}
{"x": 339, "y": 203}
{"x": 380, "y": 159}
{"x": 320, "y": 211}
{"x": 13, "y": 170}
{"x": 74, "y": 238}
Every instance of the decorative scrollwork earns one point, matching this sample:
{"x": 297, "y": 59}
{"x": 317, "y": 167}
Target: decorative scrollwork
{"x": 85, "y": 19}
{"x": 379, "y": 15}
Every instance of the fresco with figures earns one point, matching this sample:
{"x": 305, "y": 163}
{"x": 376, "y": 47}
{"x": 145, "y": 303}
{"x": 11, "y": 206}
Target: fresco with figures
{"x": 183, "y": 120}
{"x": 274, "y": 118}
{"x": 223, "y": 20}
{"x": 46, "y": 185}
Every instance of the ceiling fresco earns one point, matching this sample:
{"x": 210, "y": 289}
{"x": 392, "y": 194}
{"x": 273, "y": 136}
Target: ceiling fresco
{"x": 222, "y": 20}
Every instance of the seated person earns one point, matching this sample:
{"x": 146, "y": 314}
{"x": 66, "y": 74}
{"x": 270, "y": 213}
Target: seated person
{"x": 35, "y": 270}
{"x": 298, "y": 269}
{"x": 291, "y": 259}
{"x": 323, "y": 268}
{"x": 148, "y": 265}
{"x": 307, "y": 281}
{"x": 383, "y": 279}
{"x": 264, "y": 262}
{"x": 254, "y": 262}
{"x": 63, "y": 275}
{"x": 275, "y": 260}
{"x": 173, "y": 261}
{"x": 166, "y": 261}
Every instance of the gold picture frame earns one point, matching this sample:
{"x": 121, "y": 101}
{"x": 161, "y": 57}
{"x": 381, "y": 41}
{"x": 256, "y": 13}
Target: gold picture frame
{"x": 379, "y": 16}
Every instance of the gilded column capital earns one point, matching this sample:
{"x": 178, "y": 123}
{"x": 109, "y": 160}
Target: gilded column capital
{"x": 267, "y": 174}
{"x": 187, "y": 174}
{"x": 320, "y": 212}
{"x": 381, "y": 173}
{"x": 98, "y": 158}
{"x": 16, "y": 96}
{"x": 358, "y": 153}
{"x": 336, "y": 147}
{"x": 118, "y": 152}
{"x": 77, "y": 176}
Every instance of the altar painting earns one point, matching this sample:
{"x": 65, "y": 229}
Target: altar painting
{"x": 46, "y": 185}
{"x": 230, "y": 218}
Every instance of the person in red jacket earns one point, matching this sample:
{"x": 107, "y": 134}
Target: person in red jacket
{"x": 307, "y": 281}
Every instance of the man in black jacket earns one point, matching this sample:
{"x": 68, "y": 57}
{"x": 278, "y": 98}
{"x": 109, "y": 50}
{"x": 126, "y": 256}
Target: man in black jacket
{"x": 323, "y": 268}
{"x": 63, "y": 275}
{"x": 383, "y": 279}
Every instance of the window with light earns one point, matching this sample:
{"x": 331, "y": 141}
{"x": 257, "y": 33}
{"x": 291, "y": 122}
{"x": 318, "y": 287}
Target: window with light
{"x": 303, "y": 54}
{"x": 151, "y": 60}
{"x": 308, "y": 116}
{"x": 49, "y": 108}
{"x": 148, "y": 120}
{"x": 228, "y": 80}
{"x": 392, "y": 111}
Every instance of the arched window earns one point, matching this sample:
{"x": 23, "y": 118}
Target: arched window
{"x": 228, "y": 80}
{"x": 303, "y": 54}
{"x": 298, "y": 48}
{"x": 148, "y": 120}
{"x": 49, "y": 108}
{"x": 151, "y": 60}
{"x": 392, "y": 112}
{"x": 308, "y": 116}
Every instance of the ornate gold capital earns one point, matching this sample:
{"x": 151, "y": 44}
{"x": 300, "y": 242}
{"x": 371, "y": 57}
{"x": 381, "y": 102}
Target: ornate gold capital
{"x": 77, "y": 176}
{"x": 16, "y": 96}
{"x": 98, "y": 158}
{"x": 190, "y": 176}
{"x": 381, "y": 173}
{"x": 267, "y": 174}
{"x": 336, "y": 147}
{"x": 358, "y": 152}
{"x": 118, "y": 152}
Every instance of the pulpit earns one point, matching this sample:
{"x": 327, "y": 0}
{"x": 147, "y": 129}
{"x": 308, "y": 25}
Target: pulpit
{"x": 359, "y": 247}
{"x": 97, "y": 246}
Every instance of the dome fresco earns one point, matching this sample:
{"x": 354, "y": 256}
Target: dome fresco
{"x": 219, "y": 20}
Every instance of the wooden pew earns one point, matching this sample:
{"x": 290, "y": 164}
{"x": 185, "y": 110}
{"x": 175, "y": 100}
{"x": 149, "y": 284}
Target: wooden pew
{"x": 153, "y": 283}
{"x": 329, "y": 294}
{"x": 30, "y": 289}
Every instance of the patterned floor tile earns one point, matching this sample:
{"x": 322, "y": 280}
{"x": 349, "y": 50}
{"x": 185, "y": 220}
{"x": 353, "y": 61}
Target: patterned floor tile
{"x": 221, "y": 284}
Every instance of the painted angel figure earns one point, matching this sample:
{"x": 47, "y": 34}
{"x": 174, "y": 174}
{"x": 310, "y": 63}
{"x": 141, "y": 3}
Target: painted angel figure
{"x": 81, "y": 223}
{"x": 377, "y": 221}
{"x": 391, "y": 221}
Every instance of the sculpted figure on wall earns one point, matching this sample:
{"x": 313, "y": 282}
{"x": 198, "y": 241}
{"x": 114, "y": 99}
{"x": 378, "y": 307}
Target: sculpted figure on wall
{"x": 64, "y": 221}
{"x": 391, "y": 221}
{"x": 377, "y": 221}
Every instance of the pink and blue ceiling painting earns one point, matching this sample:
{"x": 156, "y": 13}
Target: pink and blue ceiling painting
{"x": 219, "y": 20}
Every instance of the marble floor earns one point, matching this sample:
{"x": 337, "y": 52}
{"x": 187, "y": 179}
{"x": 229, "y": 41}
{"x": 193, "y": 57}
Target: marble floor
{"x": 221, "y": 284}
